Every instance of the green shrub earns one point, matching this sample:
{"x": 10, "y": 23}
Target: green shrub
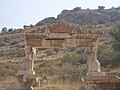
{"x": 73, "y": 58}
{"x": 56, "y": 50}
{"x": 115, "y": 33}
{"x": 80, "y": 50}
{"x": 73, "y": 74}
{"x": 108, "y": 57}
{"x": 49, "y": 52}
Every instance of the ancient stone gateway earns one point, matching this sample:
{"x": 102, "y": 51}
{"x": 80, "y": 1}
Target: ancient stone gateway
{"x": 62, "y": 35}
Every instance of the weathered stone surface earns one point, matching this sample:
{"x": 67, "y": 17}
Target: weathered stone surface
{"x": 103, "y": 79}
{"x": 63, "y": 35}
{"x": 105, "y": 82}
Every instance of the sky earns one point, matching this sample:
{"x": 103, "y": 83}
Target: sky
{"x": 16, "y": 13}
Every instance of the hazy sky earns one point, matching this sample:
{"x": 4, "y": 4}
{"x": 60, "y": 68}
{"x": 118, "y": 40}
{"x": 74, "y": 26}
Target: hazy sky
{"x": 16, "y": 13}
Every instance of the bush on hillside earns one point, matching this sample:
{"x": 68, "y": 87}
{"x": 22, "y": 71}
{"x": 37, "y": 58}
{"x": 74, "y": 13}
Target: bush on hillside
{"x": 115, "y": 33}
{"x": 49, "y": 52}
{"x": 72, "y": 74}
{"x": 12, "y": 53}
{"x": 74, "y": 59}
{"x": 108, "y": 57}
{"x": 8, "y": 70}
{"x": 80, "y": 50}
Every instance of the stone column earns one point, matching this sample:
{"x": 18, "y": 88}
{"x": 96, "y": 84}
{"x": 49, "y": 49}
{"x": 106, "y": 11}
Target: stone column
{"x": 93, "y": 64}
{"x": 26, "y": 70}
{"x": 93, "y": 67}
{"x": 28, "y": 62}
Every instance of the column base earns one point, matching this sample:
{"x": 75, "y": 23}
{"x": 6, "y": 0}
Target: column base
{"x": 93, "y": 87}
{"x": 24, "y": 72}
{"x": 107, "y": 82}
{"x": 95, "y": 74}
{"x": 94, "y": 66}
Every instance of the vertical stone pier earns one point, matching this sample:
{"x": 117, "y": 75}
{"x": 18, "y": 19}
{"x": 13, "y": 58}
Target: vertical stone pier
{"x": 26, "y": 74}
{"x": 95, "y": 78}
{"x": 29, "y": 62}
{"x": 94, "y": 68}
{"x": 93, "y": 64}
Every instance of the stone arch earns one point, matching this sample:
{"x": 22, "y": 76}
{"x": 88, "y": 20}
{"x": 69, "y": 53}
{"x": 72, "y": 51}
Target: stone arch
{"x": 61, "y": 35}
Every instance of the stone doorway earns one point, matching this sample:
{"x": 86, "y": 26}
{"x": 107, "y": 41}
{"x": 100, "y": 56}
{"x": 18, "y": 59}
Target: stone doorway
{"x": 63, "y": 35}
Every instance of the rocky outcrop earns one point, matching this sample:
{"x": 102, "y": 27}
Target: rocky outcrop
{"x": 86, "y": 16}
{"x": 46, "y": 20}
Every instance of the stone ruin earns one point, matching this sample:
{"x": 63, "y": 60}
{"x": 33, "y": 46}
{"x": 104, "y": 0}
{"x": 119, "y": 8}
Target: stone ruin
{"x": 65, "y": 35}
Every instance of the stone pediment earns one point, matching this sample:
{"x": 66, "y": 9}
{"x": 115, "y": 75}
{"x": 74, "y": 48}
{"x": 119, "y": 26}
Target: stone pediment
{"x": 61, "y": 27}
{"x": 60, "y": 34}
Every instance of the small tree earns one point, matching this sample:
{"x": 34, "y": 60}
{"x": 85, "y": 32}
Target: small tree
{"x": 115, "y": 33}
{"x": 4, "y": 30}
{"x": 10, "y": 29}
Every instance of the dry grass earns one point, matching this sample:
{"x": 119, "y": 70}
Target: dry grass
{"x": 4, "y": 84}
{"x": 49, "y": 86}
{"x": 52, "y": 84}
{"x": 61, "y": 86}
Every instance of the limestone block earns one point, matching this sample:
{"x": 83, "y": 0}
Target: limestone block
{"x": 28, "y": 49}
{"x": 20, "y": 72}
{"x": 30, "y": 72}
{"x": 93, "y": 87}
{"x": 106, "y": 79}
{"x": 95, "y": 73}
{"x": 27, "y": 64}
{"x": 94, "y": 66}
{"x": 28, "y": 52}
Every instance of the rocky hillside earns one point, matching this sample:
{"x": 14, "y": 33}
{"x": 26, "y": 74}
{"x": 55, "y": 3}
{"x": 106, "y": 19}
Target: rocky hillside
{"x": 86, "y": 16}
{"x": 12, "y": 41}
